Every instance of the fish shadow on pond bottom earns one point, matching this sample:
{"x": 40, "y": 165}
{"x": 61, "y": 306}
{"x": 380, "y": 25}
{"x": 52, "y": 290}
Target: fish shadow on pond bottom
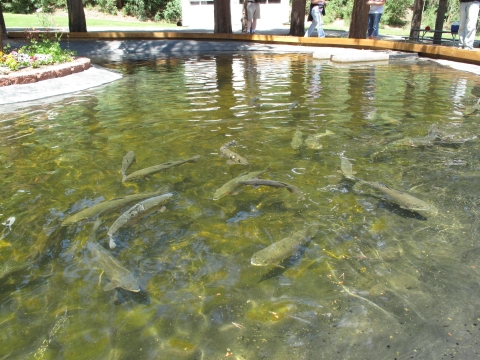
{"x": 122, "y": 296}
{"x": 397, "y": 210}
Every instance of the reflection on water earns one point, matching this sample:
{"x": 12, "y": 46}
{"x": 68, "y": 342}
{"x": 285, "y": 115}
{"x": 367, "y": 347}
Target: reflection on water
{"x": 377, "y": 281}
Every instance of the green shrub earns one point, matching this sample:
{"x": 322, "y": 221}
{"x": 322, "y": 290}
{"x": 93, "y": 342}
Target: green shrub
{"x": 108, "y": 6}
{"x": 20, "y": 6}
{"x": 338, "y": 9}
{"x": 136, "y": 8}
{"x": 173, "y": 11}
{"x": 395, "y": 12}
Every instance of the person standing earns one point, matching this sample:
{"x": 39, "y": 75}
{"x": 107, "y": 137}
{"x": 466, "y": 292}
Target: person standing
{"x": 317, "y": 9}
{"x": 253, "y": 13}
{"x": 376, "y": 11}
{"x": 468, "y": 23}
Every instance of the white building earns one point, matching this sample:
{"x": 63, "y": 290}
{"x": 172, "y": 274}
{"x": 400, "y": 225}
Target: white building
{"x": 198, "y": 14}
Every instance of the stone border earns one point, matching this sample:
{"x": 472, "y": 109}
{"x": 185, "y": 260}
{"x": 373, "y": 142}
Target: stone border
{"x": 45, "y": 73}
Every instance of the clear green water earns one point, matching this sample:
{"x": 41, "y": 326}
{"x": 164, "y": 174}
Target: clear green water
{"x": 376, "y": 282}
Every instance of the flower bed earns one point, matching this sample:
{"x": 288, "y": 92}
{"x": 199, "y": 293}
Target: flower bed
{"x": 44, "y": 72}
{"x": 41, "y": 59}
{"x": 43, "y": 49}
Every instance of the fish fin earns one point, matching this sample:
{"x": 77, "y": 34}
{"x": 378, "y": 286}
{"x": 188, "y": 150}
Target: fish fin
{"x": 110, "y": 286}
{"x": 230, "y": 162}
{"x": 111, "y": 243}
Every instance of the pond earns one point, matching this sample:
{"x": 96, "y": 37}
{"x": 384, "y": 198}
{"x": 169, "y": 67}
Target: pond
{"x": 376, "y": 281}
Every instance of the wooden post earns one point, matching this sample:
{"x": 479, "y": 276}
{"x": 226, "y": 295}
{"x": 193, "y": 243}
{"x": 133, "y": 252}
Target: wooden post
{"x": 359, "y": 23}
{"x": 442, "y": 9}
{"x": 416, "y": 18}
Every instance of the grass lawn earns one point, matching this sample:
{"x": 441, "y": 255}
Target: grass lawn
{"x": 33, "y": 21}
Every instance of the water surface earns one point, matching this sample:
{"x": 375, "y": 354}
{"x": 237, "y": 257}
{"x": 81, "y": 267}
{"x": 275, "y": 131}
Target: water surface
{"x": 376, "y": 282}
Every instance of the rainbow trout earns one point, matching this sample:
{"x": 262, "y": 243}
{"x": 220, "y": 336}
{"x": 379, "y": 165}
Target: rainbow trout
{"x": 135, "y": 212}
{"x": 402, "y": 199}
{"x": 109, "y": 205}
{"x": 277, "y": 184}
{"x": 128, "y": 160}
{"x": 114, "y": 270}
{"x": 232, "y": 185}
{"x": 284, "y": 248}
{"x": 472, "y": 109}
{"x": 313, "y": 140}
{"x": 297, "y": 139}
{"x": 157, "y": 168}
{"x": 233, "y": 158}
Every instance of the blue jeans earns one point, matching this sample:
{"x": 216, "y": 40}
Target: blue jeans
{"x": 373, "y": 21}
{"x": 316, "y": 23}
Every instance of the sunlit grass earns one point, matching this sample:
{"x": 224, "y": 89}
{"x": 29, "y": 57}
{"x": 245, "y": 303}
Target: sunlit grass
{"x": 33, "y": 21}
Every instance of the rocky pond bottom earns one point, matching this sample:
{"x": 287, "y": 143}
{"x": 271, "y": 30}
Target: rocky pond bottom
{"x": 367, "y": 175}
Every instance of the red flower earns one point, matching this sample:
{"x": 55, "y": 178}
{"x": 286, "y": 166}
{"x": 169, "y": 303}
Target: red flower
{"x": 427, "y": 28}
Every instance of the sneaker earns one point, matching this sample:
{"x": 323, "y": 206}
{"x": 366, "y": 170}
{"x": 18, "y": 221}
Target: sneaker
{"x": 253, "y": 32}
{"x": 248, "y": 32}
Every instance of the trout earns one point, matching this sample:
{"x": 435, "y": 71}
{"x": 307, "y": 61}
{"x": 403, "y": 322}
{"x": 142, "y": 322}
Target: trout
{"x": 109, "y": 205}
{"x": 233, "y": 158}
{"x": 232, "y": 185}
{"x": 284, "y": 248}
{"x": 278, "y": 184}
{"x": 402, "y": 199}
{"x": 472, "y": 109}
{"x": 157, "y": 168}
{"x": 313, "y": 141}
{"x": 297, "y": 138}
{"x": 114, "y": 270}
{"x": 128, "y": 160}
{"x": 135, "y": 212}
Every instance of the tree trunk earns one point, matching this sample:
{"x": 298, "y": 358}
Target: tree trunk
{"x": 244, "y": 16}
{"x": 442, "y": 9}
{"x": 76, "y": 16}
{"x": 120, "y": 4}
{"x": 416, "y": 18}
{"x": 297, "y": 18}
{"x": 3, "y": 28}
{"x": 359, "y": 24}
{"x": 222, "y": 17}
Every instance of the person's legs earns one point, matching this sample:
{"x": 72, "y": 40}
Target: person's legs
{"x": 316, "y": 23}
{"x": 317, "y": 18}
{"x": 250, "y": 13}
{"x": 256, "y": 16}
{"x": 462, "y": 30}
{"x": 312, "y": 26}
{"x": 471, "y": 24}
{"x": 376, "y": 22}
{"x": 370, "y": 25}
